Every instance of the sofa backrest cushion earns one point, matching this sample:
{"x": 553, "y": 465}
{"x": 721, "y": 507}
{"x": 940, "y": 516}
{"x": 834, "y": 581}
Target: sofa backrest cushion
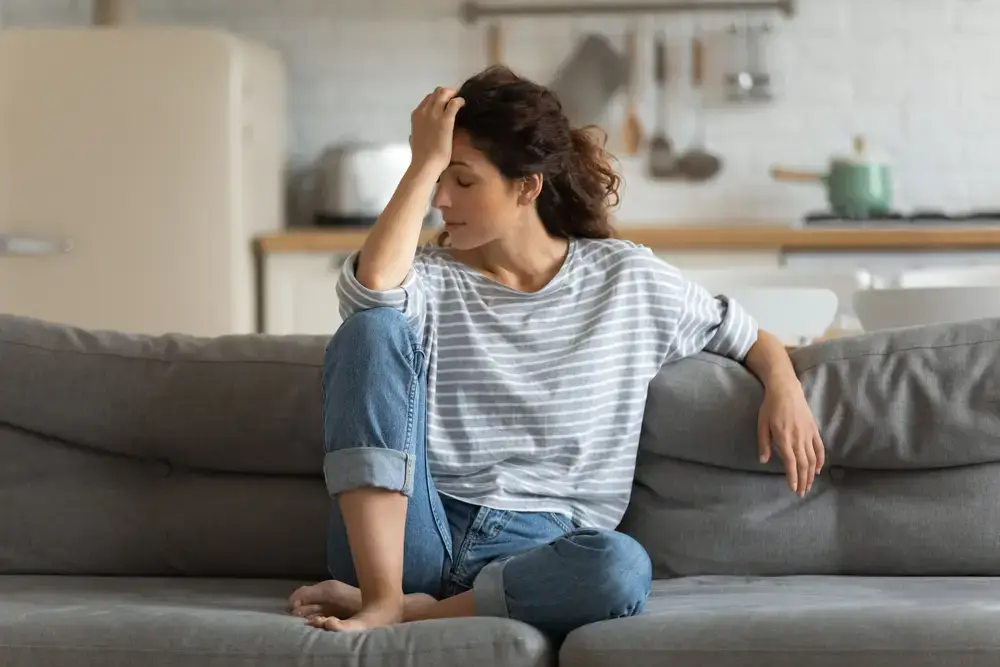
{"x": 160, "y": 455}
{"x": 910, "y": 420}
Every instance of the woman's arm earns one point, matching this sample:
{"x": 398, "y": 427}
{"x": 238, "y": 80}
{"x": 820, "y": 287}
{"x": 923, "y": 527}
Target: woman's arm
{"x": 768, "y": 359}
{"x": 785, "y": 420}
{"x": 717, "y": 324}
{"x": 387, "y": 254}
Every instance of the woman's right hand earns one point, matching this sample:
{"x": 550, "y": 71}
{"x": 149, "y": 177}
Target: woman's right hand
{"x": 433, "y": 123}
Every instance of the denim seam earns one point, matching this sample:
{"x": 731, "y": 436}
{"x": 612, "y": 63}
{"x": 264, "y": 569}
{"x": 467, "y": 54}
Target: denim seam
{"x": 467, "y": 542}
{"x": 500, "y": 518}
{"x": 440, "y": 520}
{"x": 562, "y": 522}
{"x": 410, "y": 409}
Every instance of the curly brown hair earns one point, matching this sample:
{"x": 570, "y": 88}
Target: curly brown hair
{"x": 521, "y": 128}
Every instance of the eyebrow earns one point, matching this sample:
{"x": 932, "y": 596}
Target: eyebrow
{"x": 459, "y": 162}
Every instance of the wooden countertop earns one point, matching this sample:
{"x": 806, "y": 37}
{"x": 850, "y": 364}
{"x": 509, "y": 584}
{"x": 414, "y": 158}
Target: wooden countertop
{"x": 704, "y": 238}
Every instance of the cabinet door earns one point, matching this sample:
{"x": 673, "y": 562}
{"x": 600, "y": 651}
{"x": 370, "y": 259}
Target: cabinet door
{"x": 300, "y": 293}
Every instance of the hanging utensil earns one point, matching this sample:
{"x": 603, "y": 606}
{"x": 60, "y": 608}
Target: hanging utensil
{"x": 113, "y": 12}
{"x": 697, "y": 164}
{"x": 494, "y": 44}
{"x": 748, "y": 79}
{"x": 632, "y": 135}
{"x": 589, "y": 80}
{"x": 756, "y": 57}
{"x": 662, "y": 160}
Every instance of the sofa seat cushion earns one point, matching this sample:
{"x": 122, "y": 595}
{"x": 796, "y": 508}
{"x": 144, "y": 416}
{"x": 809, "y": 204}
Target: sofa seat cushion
{"x": 820, "y": 621}
{"x": 55, "y": 621}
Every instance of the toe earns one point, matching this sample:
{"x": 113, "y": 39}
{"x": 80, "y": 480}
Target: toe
{"x": 325, "y": 622}
{"x": 297, "y": 597}
{"x": 307, "y": 610}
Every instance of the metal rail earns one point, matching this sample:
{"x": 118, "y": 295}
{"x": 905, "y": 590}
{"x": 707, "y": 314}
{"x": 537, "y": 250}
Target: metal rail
{"x": 473, "y": 11}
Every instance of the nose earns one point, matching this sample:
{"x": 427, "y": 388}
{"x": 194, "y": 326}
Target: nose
{"x": 440, "y": 198}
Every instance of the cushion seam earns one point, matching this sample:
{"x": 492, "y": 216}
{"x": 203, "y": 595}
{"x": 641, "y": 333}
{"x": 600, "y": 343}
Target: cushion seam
{"x": 168, "y": 360}
{"x": 257, "y": 654}
{"x": 886, "y": 353}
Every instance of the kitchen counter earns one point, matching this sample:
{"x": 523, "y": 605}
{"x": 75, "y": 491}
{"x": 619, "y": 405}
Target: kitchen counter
{"x": 782, "y": 239}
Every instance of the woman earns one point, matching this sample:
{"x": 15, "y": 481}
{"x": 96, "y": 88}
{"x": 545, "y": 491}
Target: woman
{"x": 484, "y": 396}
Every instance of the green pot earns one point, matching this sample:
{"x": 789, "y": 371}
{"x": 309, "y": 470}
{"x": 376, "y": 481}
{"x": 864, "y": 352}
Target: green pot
{"x": 857, "y": 187}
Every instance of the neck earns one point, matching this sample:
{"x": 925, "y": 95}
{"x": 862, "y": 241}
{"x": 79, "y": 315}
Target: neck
{"x": 525, "y": 260}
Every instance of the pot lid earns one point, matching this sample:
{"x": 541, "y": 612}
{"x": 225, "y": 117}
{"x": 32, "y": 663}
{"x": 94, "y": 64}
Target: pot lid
{"x": 862, "y": 154}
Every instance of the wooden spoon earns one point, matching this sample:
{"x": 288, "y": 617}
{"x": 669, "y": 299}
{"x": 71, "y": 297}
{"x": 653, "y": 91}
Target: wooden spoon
{"x": 632, "y": 134}
{"x": 494, "y": 42}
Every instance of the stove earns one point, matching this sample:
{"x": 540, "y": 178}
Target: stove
{"x": 924, "y": 217}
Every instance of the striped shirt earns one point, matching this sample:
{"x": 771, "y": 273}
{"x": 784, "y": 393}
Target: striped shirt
{"x": 535, "y": 400}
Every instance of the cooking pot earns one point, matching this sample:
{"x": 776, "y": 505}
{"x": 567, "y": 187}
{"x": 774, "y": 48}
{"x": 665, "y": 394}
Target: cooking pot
{"x": 857, "y": 185}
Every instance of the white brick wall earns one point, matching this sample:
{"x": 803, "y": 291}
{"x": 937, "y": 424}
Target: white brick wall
{"x": 918, "y": 77}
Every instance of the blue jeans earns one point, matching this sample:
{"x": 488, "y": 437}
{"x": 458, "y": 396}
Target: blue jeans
{"x": 535, "y": 567}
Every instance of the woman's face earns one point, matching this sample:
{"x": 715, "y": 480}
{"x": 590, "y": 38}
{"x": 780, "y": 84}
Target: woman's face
{"x": 477, "y": 203}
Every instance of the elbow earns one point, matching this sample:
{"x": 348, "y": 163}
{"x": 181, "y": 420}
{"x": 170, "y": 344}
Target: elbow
{"x": 374, "y": 278}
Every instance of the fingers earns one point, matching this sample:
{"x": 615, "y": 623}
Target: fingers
{"x": 803, "y": 458}
{"x": 439, "y": 103}
{"x": 454, "y": 104}
{"x": 441, "y": 96}
{"x": 817, "y": 444}
{"x": 791, "y": 465}
{"x": 807, "y": 465}
{"x": 763, "y": 441}
{"x": 424, "y": 103}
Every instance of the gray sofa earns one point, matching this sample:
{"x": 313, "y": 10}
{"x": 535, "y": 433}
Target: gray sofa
{"x": 160, "y": 497}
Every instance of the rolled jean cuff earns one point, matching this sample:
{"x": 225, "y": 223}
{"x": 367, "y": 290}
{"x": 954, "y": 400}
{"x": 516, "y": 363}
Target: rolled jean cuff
{"x": 359, "y": 467}
{"x": 488, "y": 591}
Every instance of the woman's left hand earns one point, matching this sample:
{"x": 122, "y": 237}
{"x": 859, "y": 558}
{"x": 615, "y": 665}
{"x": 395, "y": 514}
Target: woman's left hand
{"x": 786, "y": 423}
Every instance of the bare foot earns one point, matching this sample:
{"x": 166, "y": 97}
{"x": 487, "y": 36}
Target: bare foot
{"x": 327, "y": 598}
{"x": 335, "y": 605}
{"x": 376, "y": 614}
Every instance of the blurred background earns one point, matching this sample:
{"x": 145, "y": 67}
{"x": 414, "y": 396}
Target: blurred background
{"x": 205, "y": 165}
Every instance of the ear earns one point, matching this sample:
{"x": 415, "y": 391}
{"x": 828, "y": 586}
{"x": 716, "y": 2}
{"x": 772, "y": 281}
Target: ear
{"x": 531, "y": 187}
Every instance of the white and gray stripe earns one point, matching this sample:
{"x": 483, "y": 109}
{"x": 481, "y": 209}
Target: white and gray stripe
{"x": 535, "y": 400}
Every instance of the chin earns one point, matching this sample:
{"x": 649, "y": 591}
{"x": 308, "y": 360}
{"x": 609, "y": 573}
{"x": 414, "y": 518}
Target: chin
{"x": 460, "y": 239}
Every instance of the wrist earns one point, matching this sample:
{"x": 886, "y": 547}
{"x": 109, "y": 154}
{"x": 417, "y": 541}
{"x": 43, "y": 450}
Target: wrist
{"x": 424, "y": 170}
{"x": 780, "y": 381}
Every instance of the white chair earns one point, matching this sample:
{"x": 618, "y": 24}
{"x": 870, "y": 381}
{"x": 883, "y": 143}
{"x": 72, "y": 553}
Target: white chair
{"x": 795, "y": 305}
{"x": 796, "y": 315}
{"x": 911, "y": 306}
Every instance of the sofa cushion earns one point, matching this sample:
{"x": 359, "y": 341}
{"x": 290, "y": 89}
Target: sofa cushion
{"x": 241, "y": 403}
{"x": 911, "y": 425}
{"x": 793, "y": 621}
{"x": 123, "y": 622}
{"x": 160, "y": 455}
{"x": 67, "y": 509}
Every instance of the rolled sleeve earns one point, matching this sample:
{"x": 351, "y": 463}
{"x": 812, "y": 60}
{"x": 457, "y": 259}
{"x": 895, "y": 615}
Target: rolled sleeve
{"x": 712, "y": 323}
{"x": 408, "y": 297}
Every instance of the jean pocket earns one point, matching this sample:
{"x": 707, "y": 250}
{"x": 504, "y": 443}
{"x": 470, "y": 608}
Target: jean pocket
{"x": 562, "y": 521}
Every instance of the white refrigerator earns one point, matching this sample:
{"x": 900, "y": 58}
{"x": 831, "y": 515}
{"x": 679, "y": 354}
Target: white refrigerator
{"x": 137, "y": 164}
